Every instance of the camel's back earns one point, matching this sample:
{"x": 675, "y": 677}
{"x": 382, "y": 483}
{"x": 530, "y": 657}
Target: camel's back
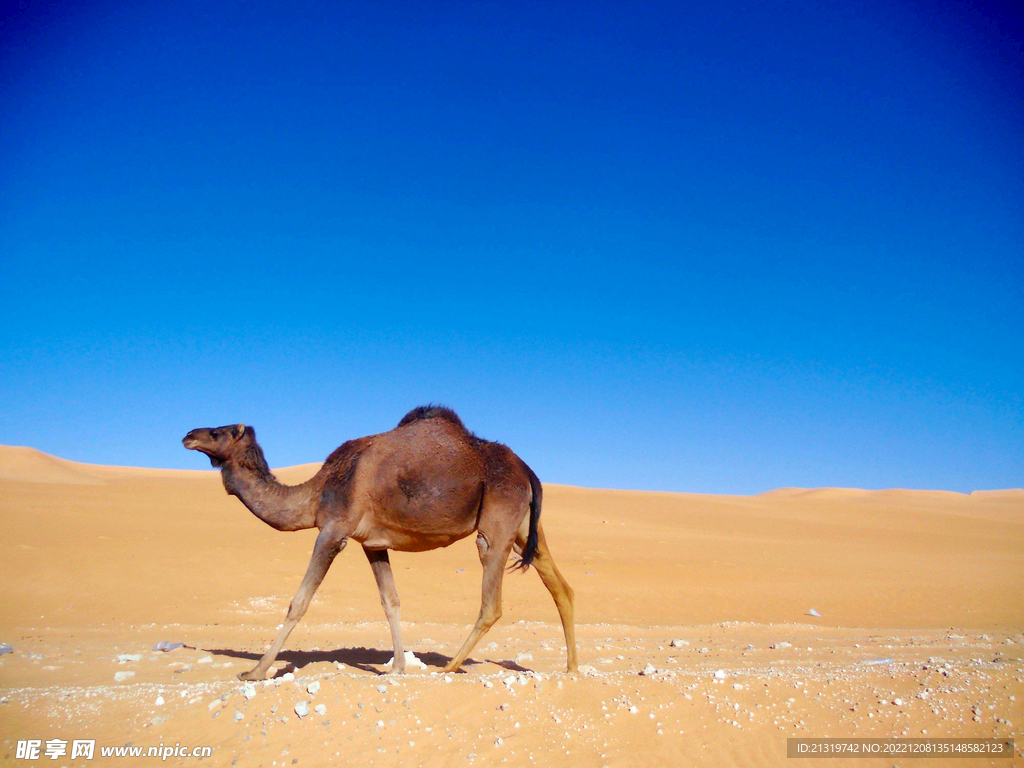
{"x": 422, "y": 484}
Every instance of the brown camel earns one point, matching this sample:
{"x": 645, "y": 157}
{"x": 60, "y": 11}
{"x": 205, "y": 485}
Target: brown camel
{"x": 423, "y": 485}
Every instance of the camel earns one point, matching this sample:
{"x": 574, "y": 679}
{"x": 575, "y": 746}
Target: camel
{"x": 425, "y": 484}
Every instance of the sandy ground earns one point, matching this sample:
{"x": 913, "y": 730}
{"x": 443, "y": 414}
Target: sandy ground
{"x": 921, "y": 632}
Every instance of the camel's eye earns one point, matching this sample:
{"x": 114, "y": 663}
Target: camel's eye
{"x": 213, "y": 434}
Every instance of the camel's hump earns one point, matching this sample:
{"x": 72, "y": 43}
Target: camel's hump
{"x": 431, "y": 412}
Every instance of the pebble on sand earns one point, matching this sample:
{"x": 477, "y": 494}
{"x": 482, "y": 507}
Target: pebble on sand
{"x": 302, "y": 709}
{"x": 166, "y": 646}
{"x": 320, "y": 709}
{"x": 679, "y": 643}
{"x": 783, "y": 644}
{"x": 720, "y": 674}
{"x": 120, "y": 677}
{"x": 313, "y": 688}
{"x": 124, "y": 658}
{"x": 648, "y": 670}
{"x": 522, "y": 658}
{"x": 814, "y": 613}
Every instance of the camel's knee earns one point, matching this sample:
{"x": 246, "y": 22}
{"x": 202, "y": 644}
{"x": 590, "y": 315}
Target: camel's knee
{"x": 390, "y": 602}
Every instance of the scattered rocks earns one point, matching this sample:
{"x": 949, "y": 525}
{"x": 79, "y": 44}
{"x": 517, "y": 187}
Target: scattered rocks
{"x": 302, "y": 709}
{"x": 120, "y": 677}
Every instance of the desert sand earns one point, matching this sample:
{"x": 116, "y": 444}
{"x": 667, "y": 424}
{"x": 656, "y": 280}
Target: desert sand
{"x": 920, "y": 633}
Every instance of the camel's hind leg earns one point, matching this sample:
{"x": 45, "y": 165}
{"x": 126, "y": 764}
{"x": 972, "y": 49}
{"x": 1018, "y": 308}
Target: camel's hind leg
{"x": 557, "y": 586}
{"x": 381, "y": 564}
{"x": 328, "y": 544}
{"x": 493, "y": 556}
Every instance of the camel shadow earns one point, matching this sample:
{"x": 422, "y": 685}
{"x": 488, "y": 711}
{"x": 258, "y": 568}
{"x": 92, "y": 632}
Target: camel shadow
{"x": 365, "y": 659}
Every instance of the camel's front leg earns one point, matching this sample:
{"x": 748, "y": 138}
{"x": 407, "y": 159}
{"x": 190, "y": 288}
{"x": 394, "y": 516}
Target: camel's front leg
{"x": 381, "y": 564}
{"x": 328, "y": 544}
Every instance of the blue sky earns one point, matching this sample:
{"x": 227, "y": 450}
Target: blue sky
{"x": 723, "y": 247}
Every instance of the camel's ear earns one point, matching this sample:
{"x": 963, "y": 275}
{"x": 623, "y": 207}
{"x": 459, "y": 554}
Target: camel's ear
{"x": 237, "y": 431}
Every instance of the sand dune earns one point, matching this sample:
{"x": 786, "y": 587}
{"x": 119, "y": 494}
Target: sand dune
{"x": 99, "y": 561}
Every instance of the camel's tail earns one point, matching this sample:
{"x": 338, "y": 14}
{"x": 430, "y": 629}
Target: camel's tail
{"x": 530, "y": 550}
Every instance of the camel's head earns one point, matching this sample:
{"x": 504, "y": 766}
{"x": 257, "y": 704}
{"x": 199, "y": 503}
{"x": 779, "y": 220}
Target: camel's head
{"x": 221, "y": 444}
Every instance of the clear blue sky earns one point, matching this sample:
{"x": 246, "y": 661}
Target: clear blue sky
{"x": 717, "y": 247}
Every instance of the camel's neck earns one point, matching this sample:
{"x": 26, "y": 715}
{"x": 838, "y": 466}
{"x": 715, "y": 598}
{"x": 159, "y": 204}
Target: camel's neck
{"x": 284, "y": 507}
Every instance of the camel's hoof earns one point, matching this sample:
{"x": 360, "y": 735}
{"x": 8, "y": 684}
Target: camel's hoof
{"x": 251, "y": 675}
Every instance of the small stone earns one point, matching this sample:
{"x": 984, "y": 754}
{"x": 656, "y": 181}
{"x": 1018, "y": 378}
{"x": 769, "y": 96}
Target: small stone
{"x": 215, "y": 704}
{"x": 120, "y": 677}
{"x": 320, "y": 709}
{"x": 488, "y": 684}
{"x": 523, "y": 658}
{"x": 633, "y": 710}
{"x": 5, "y": 648}
{"x": 648, "y": 670}
{"x": 720, "y": 674}
{"x": 382, "y": 689}
{"x": 783, "y": 644}
{"x": 159, "y": 701}
{"x": 124, "y": 658}
{"x": 679, "y": 643}
{"x": 898, "y": 702}
{"x": 498, "y": 742}
{"x": 503, "y": 707}
{"x": 287, "y": 677}
{"x": 158, "y": 721}
{"x": 238, "y": 716}
{"x": 249, "y": 691}
{"x": 814, "y": 613}
{"x": 313, "y": 688}
{"x": 205, "y": 660}
{"x": 167, "y": 646}
{"x": 509, "y": 681}
{"x": 302, "y": 709}
{"x": 737, "y": 687}
{"x": 447, "y": 678}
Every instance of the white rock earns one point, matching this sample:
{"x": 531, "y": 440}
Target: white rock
{"x": 313, "y": 688}
{"x": 120, "y": 677}
{"x": 382, "y": 689}
{"x": 783, "y": 644}
{"x": 287, "y": 677}
{"x": 411, "y": 660}
{"x": 238, "y": 716}
{"x": 510, "y": 680}
{"x": 320, "y": 709}
{"x": 302, "y": 708}
{"x": 720, "y": 674}
{"x": 648, "y": 670}
{"x": 249, "y": 691}
{"x": 737, "y": 687}
{"x": 814, "y": 613}
{"x": 679, "y": 643}
{"x": 205, "y": 660}
{"x": 488, "y": 684}
{"x": 124, "y": 658}
{"x": 159, "y": 701}
{"x": 633, "y": 710}
{"x": 215, "y": 704}
{"x": 498, "y": 742}
{"x": 522, "y": 658}
{"x": 447, "y": 678}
